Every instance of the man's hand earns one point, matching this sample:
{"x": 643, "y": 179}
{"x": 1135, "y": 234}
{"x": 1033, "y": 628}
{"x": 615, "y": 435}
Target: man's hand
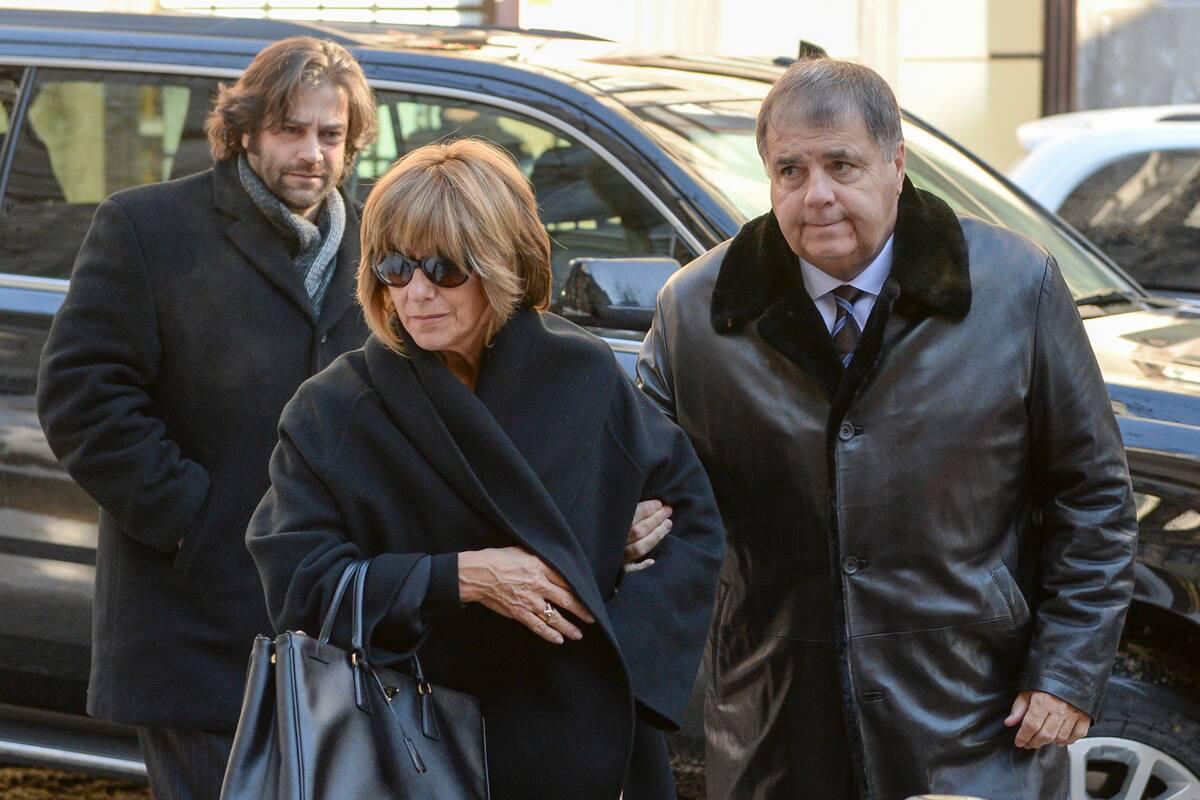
{"x": 651, "y": 523}
{"x": 1045, "y": 719}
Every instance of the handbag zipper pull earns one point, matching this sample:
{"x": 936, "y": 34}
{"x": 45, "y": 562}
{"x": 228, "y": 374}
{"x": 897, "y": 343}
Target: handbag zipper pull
{"x": 362, "y": 697}
{"x": 429, "y": 725}
{"x": 414, "y": 755}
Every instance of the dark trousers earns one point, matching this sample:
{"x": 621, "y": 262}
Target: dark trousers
{"x": 185, "y": 764}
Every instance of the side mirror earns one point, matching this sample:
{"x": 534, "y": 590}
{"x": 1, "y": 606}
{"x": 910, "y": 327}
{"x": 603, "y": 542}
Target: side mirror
{"x": 614, "y": 292}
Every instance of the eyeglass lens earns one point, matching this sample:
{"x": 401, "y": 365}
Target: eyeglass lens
{"x": 398, "y": 270}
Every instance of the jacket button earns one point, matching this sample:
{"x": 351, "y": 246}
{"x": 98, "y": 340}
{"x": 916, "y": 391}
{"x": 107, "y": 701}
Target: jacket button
{"x": 850, "y": 565}
{"x": 324, "y": 338}
{"x": 846, "y": 432}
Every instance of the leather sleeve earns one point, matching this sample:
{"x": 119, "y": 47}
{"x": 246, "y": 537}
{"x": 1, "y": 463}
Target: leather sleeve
{"x": 97, "y": 373}
{"x": 662, "y": 614}
{"x": 1088, "y": 522}
{"x": 653, "y": 366}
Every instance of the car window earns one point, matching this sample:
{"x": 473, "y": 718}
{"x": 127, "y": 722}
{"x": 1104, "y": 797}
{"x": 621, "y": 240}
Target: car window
{"x": 84, "y": 136}
{"x": 716, "y": 138}
{"x": 938, "y": 166}
{"x": 589, "y": 209}
{"x": 1144, "y": 211}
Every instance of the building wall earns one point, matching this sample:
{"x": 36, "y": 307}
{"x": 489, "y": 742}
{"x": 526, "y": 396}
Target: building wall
{"x": 1137, "y": 52}
{"x": 970, "y": 67}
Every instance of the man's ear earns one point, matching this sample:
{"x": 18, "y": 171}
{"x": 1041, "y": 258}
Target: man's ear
{"x": 898, "y": 162}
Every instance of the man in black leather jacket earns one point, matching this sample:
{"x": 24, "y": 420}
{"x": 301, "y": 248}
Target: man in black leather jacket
{"x": 931, "y": 526}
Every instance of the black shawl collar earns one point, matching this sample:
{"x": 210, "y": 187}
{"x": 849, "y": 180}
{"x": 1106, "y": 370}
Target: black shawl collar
{"x": 760, "y": 279}
{"x": 263, "y": 246}
{"x": 535, "y": 407}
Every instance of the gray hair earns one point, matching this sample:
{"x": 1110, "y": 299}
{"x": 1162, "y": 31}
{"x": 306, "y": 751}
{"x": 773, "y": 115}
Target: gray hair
{"x": 821, "y": 92}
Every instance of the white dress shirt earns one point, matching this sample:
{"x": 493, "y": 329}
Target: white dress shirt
{"x": 820, "y": 286}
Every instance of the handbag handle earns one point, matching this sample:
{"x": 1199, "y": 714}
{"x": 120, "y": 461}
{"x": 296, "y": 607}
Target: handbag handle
{"x": 356, "y": 572}
{"x": 357, "y": 644}
{"x": 338, "y": 594}
{"x": 356, "y": 612}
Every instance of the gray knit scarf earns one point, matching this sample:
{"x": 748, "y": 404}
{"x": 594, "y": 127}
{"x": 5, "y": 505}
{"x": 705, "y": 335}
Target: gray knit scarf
{"x": 316, "y": 255}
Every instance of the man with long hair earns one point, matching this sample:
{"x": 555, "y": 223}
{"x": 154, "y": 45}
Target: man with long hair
{"x": 196, "y": 309}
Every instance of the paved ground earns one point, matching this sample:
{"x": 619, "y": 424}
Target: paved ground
{"x": 21, "y": 783}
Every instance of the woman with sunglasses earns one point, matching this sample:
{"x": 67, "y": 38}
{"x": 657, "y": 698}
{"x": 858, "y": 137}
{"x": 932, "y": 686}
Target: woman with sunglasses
{"x": 487, "y": 456}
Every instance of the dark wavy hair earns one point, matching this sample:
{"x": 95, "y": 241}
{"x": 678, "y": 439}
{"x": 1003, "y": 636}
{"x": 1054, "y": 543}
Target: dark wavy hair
{"x": 261, "y": 98}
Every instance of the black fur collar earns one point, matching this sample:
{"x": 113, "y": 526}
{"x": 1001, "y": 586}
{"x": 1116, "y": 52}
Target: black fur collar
{"x": 929, "y": 265}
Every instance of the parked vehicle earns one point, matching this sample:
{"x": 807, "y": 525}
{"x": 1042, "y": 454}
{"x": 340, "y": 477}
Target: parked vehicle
{"x": 640, "y": 162}
{"x": 1129, "y": 180}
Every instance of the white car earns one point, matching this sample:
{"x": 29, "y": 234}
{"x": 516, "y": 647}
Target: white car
{"x": 1129, "y": 180}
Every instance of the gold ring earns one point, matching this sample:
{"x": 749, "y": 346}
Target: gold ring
{"x": 549, "y": 613}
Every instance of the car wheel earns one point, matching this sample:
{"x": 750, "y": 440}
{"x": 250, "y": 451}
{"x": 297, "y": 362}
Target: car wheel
{"x": 1145, "y": 746}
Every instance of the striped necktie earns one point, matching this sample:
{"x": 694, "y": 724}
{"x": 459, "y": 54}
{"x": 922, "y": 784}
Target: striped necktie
{"x": 845, "y": 326}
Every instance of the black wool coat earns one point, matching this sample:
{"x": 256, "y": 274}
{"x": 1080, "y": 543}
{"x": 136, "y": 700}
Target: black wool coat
{"x": 912, "y": 540}
{"x": 393, "y": 458}
{"x": 185, "y": 330}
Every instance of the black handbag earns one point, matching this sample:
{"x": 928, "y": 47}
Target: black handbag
{"x": 321, "y": 723}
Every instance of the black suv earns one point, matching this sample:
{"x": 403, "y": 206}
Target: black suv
{"x": 640, "y": 162}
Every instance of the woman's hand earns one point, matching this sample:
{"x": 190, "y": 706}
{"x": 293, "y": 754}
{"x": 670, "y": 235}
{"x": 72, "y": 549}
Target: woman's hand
{"x": 517, "y": 584}
{"x": 651, "y": 524}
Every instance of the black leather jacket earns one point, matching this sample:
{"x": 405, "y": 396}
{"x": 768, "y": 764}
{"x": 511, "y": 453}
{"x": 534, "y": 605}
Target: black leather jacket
{"x": 910, "y": 542}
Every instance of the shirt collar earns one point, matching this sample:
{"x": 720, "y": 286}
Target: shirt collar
{"x": 820, "y": 283}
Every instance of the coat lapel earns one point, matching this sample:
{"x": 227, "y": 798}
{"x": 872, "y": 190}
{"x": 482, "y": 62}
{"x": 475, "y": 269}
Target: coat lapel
{"x": 760, "y": 279}
{"x": 254, "y": 237}
{"x": 543, "y": 399}
{"x": 453, "y": 429}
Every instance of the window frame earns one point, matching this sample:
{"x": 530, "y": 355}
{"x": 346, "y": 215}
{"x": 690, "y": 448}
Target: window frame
{"x": 9, "y": 148}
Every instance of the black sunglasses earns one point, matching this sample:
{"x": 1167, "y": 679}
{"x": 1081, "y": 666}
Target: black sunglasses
{"x": 397, "y": 270}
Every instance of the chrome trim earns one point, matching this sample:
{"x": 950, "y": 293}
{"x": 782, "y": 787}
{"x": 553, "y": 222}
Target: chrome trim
{"x": 151, "y": 67}
{"x": 10, "y": 281}
{"x": 60, "y": 757}
{"x": 623, "y": 345}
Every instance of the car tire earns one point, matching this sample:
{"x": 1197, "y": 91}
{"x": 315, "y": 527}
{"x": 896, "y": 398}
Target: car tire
{"x": 1145, "y": 746}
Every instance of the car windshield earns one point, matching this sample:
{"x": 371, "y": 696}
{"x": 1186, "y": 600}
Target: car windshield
{"x": 717, "y": 140}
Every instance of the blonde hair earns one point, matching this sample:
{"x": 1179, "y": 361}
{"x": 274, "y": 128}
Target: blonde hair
{"x": 464, "y": 201}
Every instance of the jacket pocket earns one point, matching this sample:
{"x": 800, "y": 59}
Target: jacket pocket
{"x": 1010, "y": 592}
{"x": 192, "y": 542}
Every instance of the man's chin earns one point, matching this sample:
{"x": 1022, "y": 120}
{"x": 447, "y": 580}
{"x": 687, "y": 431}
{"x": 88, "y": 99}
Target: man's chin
{"x": 302, "y": 202}
{"x": 834, "y": 262}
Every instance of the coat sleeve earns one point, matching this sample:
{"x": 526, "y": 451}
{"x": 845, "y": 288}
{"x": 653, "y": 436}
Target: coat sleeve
{"x": 1088, "y": 530}
{"x": 95, "y": 381}
{"x": 301, "y": 544}
{"x": 654, "y": 376}
{"x": 662, "y": 614}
